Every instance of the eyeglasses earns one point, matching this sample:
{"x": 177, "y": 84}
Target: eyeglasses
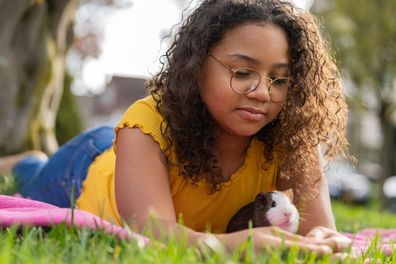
{"x": 246, "y": 80}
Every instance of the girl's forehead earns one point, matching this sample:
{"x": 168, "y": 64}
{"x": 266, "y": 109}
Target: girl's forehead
{"x": 264, "y": 42}
{"x": 251, "y": 30}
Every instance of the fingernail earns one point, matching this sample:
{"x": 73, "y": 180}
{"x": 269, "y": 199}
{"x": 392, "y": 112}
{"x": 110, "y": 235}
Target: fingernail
{"x": 327, "y": 249}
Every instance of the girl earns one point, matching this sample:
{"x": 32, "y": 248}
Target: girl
{"x": 245, "y": 96}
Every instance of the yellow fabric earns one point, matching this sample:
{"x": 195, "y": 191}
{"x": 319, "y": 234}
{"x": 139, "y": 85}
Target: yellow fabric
{"x": 198, "y": 209}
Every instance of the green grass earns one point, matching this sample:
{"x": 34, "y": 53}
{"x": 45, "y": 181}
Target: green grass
{"x": 354, "y": 218}
{"x": 62, "y": 244}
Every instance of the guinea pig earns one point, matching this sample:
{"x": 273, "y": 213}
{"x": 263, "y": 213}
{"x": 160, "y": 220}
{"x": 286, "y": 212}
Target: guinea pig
{"x": 267, "y": 209}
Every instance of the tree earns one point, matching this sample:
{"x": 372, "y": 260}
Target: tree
{"x": 364, "y": 38}
{"x": 34, "y": 38}
{"x": 68, "y": 113}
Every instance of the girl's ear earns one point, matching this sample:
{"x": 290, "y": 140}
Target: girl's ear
{"x": 289, "y": 194}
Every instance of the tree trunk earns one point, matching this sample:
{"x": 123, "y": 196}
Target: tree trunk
{"x": 34, "y": 38}
{"x": 386, "y": 151}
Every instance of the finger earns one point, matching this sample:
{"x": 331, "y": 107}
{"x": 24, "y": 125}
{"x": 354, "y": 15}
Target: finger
{"x": 319, "y": 232}
{"x": 276, "y": 231}
{"x": 320, "y": 240}
{"x": 315, "y": 233}
{"x": 285, "y": 235}
{"x": 340, "y": 257}
{"x": 338, "y": 243}
{"x": 278, "y": 242}
{"x": 320, "y": 250}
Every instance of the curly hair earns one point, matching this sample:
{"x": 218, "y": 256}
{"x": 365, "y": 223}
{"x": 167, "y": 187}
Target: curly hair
{"x": 314, "y": 113}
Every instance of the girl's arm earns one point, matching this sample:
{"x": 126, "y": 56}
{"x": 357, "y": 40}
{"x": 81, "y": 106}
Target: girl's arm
{"x": 315, "y": 212}
{"x": 317, "y": 215}
{"x": 318, "y": 212}
{"x": 142, "y": 189}
{"x": 317, "y": 220}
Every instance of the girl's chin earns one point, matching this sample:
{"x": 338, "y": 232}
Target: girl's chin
{"x": 248, "y": 132}
{"x": 241, "y": 131}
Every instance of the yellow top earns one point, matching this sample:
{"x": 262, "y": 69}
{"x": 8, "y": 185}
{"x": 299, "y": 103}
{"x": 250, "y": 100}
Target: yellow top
{"x": 199, "y": 210}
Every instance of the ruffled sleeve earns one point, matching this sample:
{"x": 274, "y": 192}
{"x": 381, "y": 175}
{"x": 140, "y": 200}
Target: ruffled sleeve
{"x": 144, "y": 115}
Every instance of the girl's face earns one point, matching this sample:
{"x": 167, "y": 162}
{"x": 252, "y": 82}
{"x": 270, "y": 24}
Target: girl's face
{"x": 261, "y": 47}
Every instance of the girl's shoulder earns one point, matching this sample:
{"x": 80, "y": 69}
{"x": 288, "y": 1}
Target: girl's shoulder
{"x": 143, "y": 114}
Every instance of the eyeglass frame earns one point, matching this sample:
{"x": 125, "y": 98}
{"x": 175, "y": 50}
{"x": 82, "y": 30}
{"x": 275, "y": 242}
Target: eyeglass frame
{"x": 234, "y": 70}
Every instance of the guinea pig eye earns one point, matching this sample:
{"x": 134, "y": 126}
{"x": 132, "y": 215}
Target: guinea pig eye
{"x": 273, "y": 204}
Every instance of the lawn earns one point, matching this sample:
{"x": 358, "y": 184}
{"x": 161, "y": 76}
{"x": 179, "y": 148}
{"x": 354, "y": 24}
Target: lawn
{"x": 70, "y": 245}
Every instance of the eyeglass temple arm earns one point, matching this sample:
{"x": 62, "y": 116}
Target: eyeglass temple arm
{"x": 228, "y": 67}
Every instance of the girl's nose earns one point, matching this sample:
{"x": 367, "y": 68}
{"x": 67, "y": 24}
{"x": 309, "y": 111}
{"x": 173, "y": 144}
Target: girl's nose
{"x": 261, "y": 92}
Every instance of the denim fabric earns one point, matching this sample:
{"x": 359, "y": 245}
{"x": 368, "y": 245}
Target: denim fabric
{"x": 58, "y": 180}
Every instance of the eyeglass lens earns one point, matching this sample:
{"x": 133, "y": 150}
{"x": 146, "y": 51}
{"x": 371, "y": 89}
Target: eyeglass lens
{"x": 244, "y": 81}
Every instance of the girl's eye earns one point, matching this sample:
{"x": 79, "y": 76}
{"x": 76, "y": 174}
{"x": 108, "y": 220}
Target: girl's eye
{"x": 273, "y": 204}
{"x": 242, "y": 73}
{"x": 279, "y": 81}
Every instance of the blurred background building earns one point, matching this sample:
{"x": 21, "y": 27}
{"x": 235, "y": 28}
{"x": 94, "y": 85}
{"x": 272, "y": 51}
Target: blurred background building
{"x": 107, "y": 107}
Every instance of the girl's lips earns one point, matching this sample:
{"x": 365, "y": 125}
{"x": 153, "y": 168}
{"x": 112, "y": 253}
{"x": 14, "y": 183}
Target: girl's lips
{"x": 251, "y": 114}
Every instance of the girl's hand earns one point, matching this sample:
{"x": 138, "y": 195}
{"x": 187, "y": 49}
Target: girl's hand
{"x": 325, "y": 236}
{"x": 275, "y": 237}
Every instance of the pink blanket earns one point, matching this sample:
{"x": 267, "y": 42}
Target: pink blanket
{"x": 20, "y": 211}
{"x": 362, "y": 240}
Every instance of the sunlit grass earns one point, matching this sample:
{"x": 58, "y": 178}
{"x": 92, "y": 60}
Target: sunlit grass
{"x": 7, "y": 184}
{"x": 67, "y": 245}
{"x": 357, "y": 217}
{"x": 61, "y": 244}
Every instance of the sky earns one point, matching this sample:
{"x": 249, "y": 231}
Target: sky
{"x": 132, "y": 42}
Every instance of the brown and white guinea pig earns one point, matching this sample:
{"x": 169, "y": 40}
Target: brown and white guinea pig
{"x": 267, "y": 209}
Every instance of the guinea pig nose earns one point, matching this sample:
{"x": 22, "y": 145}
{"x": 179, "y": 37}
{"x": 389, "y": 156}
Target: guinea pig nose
{"x": 287, "y": 214}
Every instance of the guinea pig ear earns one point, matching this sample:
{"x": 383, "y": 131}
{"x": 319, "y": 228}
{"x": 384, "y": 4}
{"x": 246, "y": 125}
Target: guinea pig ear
{"x": 262, "y": 197}
{"x": 289, "y": 194}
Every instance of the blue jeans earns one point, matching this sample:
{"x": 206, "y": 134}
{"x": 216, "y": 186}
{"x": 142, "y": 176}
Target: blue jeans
{"x": 59, "y": 179}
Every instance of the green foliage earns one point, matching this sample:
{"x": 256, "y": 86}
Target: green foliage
{"x": 7, "y": 184}
{"x": 364, "y": 38}
{"x": 70, "y": 245}
{"x": 61, "y": 244}
{"x": 363, "y": 34}
{"x": 354, "y": 218}
{"x": 68, "y": 121}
